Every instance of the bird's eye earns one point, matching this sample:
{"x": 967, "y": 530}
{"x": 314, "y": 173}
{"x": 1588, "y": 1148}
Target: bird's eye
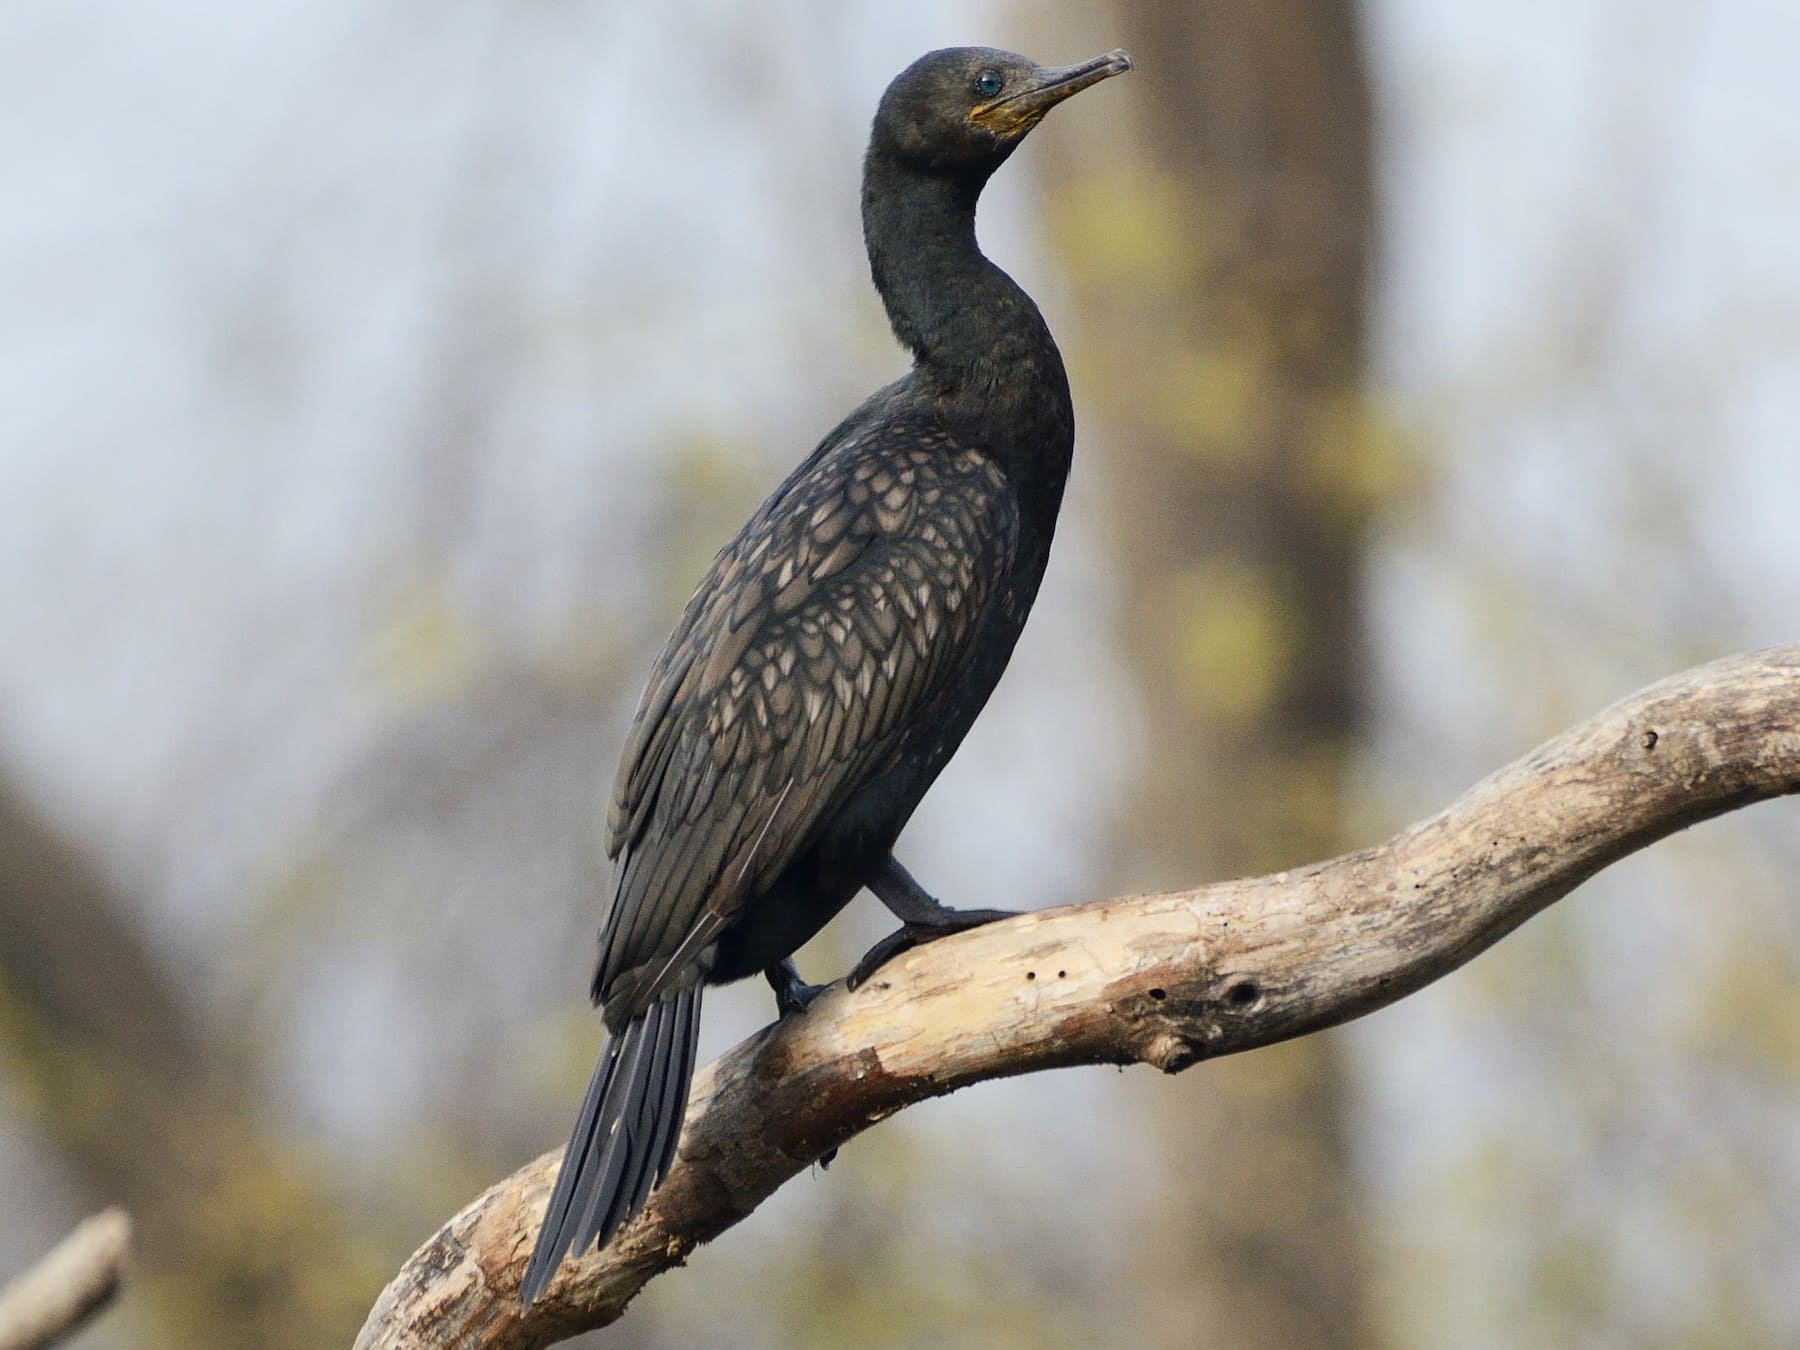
{"x": 988, "y": 83}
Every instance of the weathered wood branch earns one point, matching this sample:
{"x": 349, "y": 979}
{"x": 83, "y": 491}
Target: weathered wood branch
{"x": 1166, "y": 980}
{"x": 77, "y": 1279}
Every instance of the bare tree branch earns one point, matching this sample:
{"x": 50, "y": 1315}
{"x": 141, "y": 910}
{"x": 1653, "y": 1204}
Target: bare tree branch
{"x": 1159, "y": 979}
{"x": 71, "y": 1284}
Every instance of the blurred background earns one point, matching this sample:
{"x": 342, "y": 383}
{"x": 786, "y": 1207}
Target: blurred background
{"x": 378, "y": 378}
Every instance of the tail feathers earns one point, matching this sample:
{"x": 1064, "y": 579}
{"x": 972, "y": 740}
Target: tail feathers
{"x": 625, "y": 1134}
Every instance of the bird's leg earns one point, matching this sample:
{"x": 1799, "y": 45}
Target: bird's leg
{"x": 792, "y": 994}
{"x": 921, "y": 918}
{"x": 914, "y": 906}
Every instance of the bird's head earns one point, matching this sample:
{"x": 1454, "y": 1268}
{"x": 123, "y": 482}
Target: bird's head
{"x": 967, "y": 108}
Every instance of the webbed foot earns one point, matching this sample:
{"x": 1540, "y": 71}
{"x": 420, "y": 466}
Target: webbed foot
{"x": 793, "y": 995}
{"x": 914, "y": 932}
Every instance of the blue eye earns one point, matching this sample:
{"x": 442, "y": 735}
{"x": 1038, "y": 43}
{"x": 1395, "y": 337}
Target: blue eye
{"x": 989, "y": 83}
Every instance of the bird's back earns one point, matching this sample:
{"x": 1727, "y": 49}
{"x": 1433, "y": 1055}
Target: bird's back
{"x": 825, "y": 638}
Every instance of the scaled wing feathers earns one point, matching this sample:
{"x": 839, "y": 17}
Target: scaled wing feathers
{"x": 832, "y": 624}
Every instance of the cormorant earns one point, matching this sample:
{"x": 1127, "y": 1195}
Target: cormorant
{"x": 840, "y": 646}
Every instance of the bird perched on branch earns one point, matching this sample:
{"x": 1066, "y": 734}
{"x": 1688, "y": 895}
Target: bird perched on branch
{"x": 840, "y": 647}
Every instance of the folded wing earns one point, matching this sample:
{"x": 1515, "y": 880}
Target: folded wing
{"x": 830, "y": 627}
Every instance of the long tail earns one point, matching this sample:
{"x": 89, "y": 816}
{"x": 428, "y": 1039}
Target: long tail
{"x": 625, "y": 1136}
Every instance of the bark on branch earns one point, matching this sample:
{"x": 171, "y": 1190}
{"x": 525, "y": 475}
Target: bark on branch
{"x": 76, "y": 1280}
{"x": 1165, "y": 979}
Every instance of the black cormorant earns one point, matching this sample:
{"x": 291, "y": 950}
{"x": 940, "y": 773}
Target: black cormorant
{"x": 841, "y": 645}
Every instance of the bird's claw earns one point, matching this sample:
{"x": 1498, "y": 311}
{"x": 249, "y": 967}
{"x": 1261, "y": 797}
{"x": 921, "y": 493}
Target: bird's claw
{"x": 793, "y": 995}
{"x": 797, "y": 998}
{"x": 910, "y": 935}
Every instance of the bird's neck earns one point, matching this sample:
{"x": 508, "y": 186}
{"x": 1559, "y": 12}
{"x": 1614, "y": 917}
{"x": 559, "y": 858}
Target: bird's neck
{"x": 973, "y": 332}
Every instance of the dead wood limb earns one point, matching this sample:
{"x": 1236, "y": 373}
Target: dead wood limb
{"x": 77, "y": 1279}
{"x": 1160, "y": 979}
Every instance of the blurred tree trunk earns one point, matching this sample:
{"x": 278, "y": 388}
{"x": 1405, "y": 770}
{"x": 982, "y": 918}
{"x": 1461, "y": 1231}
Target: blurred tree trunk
{"x": 1219, "y": 247}
{"x": 239, "y": 1243}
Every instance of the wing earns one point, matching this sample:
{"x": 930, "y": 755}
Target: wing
{"x": 832, "y": 625}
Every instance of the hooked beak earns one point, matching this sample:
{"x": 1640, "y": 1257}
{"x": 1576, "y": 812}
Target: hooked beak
{"x": 1048, "y": 86}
